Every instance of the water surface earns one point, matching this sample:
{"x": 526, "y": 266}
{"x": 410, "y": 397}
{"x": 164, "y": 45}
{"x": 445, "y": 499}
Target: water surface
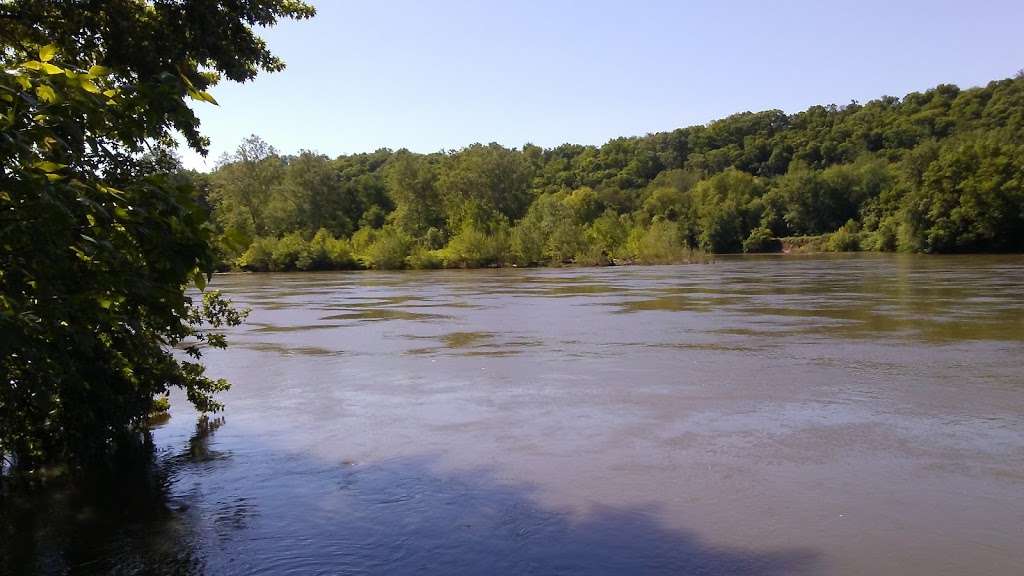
{"x": 777, "y": 415}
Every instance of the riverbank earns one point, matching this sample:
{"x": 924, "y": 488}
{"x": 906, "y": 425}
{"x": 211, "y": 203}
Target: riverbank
{"x": 298, "y": 256}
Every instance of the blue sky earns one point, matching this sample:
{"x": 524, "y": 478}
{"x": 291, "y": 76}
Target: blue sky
{"x": 433, "y": 75}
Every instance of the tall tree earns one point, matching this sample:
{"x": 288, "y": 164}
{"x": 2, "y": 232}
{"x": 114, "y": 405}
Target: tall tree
{"x": 412, "y": 186}
{"x": 97, "y": 243}
{"x": 482, "y": 182}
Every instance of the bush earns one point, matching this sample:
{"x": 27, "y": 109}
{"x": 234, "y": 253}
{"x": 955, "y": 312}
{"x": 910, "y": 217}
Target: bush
{"x": 721, "y": 228}
{"x": 843, "y": 241}
{"x": 339, "y": 254}
{"x": 608, "y": 234}
{"x": 318, "y": 250}
{"x": 388, "y": 251}
{"x": 161, "y": 404}
{"x": 291, "y": 253}
{"x": 258, "y": 256}
{"x": 565, "y": 242}
{"x": 593, "y": 255}
{"x": 434, "y": 238}
{"x": 548, "y": 234}
{"x": 846, "y": 239}
{"x": 761, "y": 239}
{"x": 884, "y": 238}
{"x": 329, "y": 253}
{"x": 659, "y": 244}
{"x": 362, "y": 239}
{"x": 528, "y": 241}
{"x": 423, "y": 259}
{"x": 475, "y": 248}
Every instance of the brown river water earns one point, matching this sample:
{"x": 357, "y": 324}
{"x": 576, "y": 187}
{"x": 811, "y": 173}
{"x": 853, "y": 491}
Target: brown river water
{"x": 773, "y": 415}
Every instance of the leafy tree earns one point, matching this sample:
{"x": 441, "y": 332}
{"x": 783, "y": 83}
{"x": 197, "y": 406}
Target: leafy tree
{"x": 412, "y": 186}
{"x": 549, "y": 233}
{"x": 529, "y": 238}
{"x": 315, "y": 198}
{"x": 482, "y": 182}
{"x": 607, "y": 234}
{"x": 820, "y": 201}
{"x": 729, "y": 207}
{"x": 98, "y": 243}
{"x": 244, "y": 188}
{"x": 363, "y": 187}
{"x": 585, "y": 205}
{"x": 971, "y": 198}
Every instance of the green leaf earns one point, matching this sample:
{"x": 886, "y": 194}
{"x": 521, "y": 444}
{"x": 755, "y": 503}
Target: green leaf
{"x": 112, "y": 191}
{"x": 48, "y": 166}
{"x": 47, "y": 52}
{"x": 201, "y": 96}
{"x": 81, "y": 255}
{"x": 88, "y": 85}
{"x": 50, "y": 68}
{"x": 200, "y": 279}
{"x": 46, "y": 93}
{"x": 98, "y": 70}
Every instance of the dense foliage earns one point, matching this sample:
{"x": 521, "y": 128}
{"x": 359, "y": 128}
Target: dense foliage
{"x": 99, "y": 238}
{"x": 939, "y": 171}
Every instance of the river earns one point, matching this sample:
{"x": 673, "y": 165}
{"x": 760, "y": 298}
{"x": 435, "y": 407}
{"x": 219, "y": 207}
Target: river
{"x": 755, "y": 415}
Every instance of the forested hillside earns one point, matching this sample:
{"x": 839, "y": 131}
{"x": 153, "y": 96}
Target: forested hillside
{"x": 938, "y": 171}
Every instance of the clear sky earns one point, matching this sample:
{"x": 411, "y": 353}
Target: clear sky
{"x": 433, "y": 75}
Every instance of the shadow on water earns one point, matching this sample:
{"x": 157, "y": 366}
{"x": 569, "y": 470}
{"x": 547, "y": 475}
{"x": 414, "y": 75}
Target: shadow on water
{"x": 202, "y": 510}
{"x": 117, "y": 519}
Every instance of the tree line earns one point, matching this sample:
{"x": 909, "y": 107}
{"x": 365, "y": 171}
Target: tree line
{"x": 939, "y": 171}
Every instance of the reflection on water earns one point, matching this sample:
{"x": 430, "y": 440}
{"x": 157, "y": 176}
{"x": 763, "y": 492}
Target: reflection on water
{"x": 464, "y": 339}
{"x": 385, "y": 314}
{"x": 837, "y": 415}
{"x": 473, "y": 344}
{"x": 289, "y": 350}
